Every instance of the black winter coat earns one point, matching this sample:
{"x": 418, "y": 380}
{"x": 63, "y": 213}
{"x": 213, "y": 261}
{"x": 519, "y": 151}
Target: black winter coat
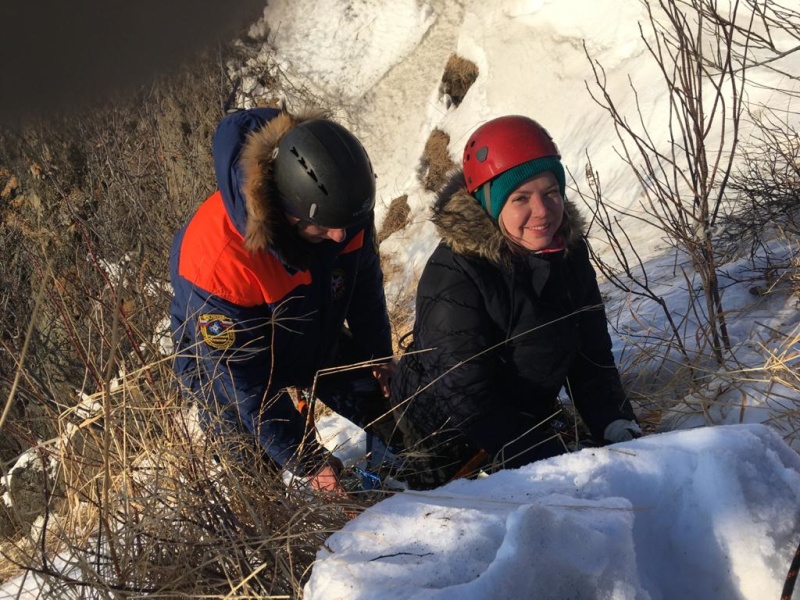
{"x": 498, "y": 333}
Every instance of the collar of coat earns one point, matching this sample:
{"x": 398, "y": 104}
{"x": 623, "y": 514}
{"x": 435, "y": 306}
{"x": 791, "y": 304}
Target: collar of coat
{"x": 468, "y": 229}
{"x": 267, "y": 226}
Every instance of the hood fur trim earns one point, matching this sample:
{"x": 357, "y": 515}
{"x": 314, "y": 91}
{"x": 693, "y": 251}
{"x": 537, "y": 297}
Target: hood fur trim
{"x": 266, "y": 222}
{"x": 468, "y": 229}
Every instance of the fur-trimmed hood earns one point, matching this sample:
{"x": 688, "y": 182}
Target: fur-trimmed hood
{"x": 467, "y": 228}
{"x": 265, "y": 217}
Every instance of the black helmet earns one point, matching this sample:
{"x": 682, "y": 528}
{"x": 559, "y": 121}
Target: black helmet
{"x": 323, "y": 175}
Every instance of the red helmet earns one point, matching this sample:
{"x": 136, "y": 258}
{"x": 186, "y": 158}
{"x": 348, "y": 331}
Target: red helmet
{"x": 502, "y": 144}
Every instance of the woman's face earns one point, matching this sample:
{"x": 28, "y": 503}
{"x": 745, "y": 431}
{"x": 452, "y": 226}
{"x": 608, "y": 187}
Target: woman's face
{"x": 533, "y": 212}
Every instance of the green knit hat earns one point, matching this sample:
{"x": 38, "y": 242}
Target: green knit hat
{"x": 500, "y": 187}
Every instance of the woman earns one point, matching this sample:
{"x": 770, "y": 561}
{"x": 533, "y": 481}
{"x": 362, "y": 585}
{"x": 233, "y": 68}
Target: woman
{"x": 508, "y": 313}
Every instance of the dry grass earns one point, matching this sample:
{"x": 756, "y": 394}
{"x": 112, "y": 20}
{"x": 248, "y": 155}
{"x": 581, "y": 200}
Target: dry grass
{"x": 459, "y": 75}
{"x": 133, "y": 502}
{"x": 146, "y": 505}
{"x": 396, "y": 217}
{"x": 401, "y": 303}
{"x": 436, "y": 161}
{"x": 671, "y": 392}
{"x": 782, "y": 372}
{"x": 794, "y": 278}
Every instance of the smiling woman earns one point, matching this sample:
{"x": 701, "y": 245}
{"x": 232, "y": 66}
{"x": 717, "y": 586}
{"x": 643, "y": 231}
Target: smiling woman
{"x": 65, "y": 55}
{"x": 532, "y": 215}
{"x": 508, "y": 314}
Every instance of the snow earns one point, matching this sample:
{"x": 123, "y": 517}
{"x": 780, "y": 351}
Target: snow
{"x": 704, "y": 512}
{"x": 701, "y": 513}
{"x": 363, "y": 39}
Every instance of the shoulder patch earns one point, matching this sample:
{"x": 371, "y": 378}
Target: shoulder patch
{"x": 217, "y": 330}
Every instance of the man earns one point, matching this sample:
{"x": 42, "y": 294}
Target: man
{"x": 265, "y": 276}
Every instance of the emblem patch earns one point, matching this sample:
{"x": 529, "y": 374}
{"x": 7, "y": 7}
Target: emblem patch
{"x": 337, "y": 283}
{"x": 217, "y": 330}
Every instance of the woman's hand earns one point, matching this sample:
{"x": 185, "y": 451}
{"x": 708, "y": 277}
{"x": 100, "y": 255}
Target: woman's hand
{"x": 622, "y": 430}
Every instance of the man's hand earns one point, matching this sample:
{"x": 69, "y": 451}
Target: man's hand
{"x": 327, "y": 478}
{"x": 384, "y": 373}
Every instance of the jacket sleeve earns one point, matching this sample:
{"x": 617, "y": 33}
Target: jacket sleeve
{"x": 594, "y": 380}
{"x": 367, "y": 315}
{"x": 457, "y": 339}
{"x": 233, "y": 359}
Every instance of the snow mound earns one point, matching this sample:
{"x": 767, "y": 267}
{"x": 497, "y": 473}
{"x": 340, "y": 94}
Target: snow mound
{"x": 707, "y": 513}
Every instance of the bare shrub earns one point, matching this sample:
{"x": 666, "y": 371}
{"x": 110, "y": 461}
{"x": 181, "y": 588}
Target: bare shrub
{"x": 396, "y": 217}
{"x": 685, "y": 180}
{"x": 683, "y": 188}
{"x": 145, "y": 504}
{"x": 152, "y": 507}
{"x": 138, "y": 506}
{"x": 708, "y": 192}
{"x": 110, "y": 190}
{"x": 459, "y": 75}
{"x": 630, "y": 274}
{"x": 259, "y": 78}
{"x": 766, "y": 186}
{"x": 436, "y": 162}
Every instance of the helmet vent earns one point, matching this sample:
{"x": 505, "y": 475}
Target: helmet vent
{"x": 323, "y": 173}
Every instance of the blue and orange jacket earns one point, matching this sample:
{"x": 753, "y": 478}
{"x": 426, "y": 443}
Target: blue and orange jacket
{"x": 257, "y": 309}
